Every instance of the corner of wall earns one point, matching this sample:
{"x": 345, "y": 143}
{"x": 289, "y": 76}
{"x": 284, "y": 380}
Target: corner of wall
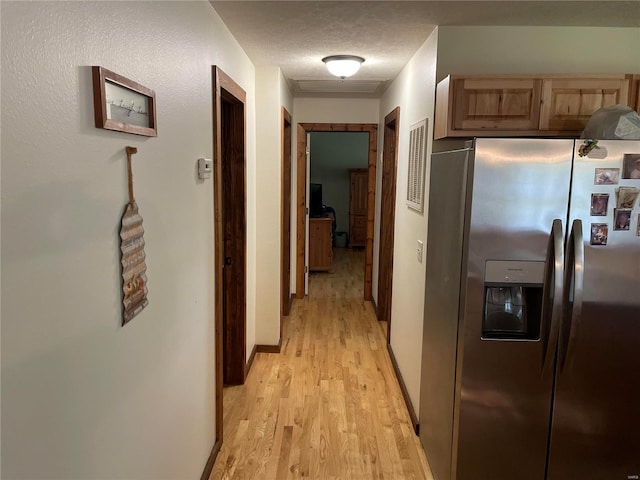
{"x": 414, "y": 92}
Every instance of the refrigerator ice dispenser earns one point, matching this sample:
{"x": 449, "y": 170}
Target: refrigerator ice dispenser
{"x": 512, "y": 300}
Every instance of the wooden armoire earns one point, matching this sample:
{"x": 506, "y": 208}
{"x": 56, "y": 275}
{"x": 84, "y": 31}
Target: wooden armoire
{"x": 358, "y": 207}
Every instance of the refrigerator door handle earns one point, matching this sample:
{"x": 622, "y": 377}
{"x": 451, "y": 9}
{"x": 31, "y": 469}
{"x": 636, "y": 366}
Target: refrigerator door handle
{"x": 552, "y": 293}
{"x": 572, "y": 295}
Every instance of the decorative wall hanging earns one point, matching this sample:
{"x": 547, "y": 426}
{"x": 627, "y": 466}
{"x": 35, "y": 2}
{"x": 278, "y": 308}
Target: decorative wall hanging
{"x": 122, "y": 104}
{"x": 134, "y": 268}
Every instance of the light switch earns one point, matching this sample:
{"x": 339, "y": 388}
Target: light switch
{"x": 420, "y": 245}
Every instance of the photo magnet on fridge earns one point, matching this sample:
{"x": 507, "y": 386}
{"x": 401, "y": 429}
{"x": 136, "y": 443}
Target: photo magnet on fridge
{"x": 599, "y": 204}
{"x": 631, "y": 166}
{"x": 607, "y": 176}
{"x": 599, "y": 233}
{"x": 627, "y": 197}
{"x": 622, "y": 218}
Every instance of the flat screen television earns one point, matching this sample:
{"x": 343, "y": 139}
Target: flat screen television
{"x": 315, "y": 200}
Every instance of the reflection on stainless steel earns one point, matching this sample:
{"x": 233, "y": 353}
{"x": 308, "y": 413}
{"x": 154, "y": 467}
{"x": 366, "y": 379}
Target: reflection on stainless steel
{"x": 490, "y": 399}
{"x": 495, "y": 403}
{"x": 583, "y": 422}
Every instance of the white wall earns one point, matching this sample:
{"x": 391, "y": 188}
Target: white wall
{"x": 536, "y": 50}
{"x": 414, "y": 92}
{"x": 83, "y": 397}
{"x": 325, "y": 110}
{"x": 272, "y": 93}
{"x": 336, "y": 110}
{"x": 286, "y": 96}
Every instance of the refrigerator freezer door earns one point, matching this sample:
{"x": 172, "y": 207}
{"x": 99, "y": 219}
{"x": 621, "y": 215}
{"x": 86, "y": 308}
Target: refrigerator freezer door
{"x": 447, "y": 212}
{"x": 503, "y": 393}
{"x": 596, "y": 417}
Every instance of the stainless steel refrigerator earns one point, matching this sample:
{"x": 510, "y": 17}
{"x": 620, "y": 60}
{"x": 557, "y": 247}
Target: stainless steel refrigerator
{"x": 531, "y": 340}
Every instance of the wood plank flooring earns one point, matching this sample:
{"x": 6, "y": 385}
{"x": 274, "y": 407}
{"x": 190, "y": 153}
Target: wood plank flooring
{"x": 329, "y": 405}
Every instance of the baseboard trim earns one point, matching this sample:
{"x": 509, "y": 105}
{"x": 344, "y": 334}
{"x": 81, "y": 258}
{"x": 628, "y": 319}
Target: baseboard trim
{"x": 208, "y": 468}
{"x": 288, "y": 310}
{"x": 269, "y": 348}
{"x": 247, "y": 367}
{"x": 405, "y": 392}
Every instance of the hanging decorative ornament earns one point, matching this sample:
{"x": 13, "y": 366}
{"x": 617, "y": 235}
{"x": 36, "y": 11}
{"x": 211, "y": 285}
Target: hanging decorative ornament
{"x": 134, "y": 268}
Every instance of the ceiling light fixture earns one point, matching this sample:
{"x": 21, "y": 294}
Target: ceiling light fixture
{"x": 343, "y": 66}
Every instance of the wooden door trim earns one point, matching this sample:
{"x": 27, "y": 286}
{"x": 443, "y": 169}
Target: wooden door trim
{"x": 303, "y": 129}
{"x": 393, "y": 118}
{"x": 285, "y": 303}
{"x": 301, "y": 192}
{"x": 223, "y": 86}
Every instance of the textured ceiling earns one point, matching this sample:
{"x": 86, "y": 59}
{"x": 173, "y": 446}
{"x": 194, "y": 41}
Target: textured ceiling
{"x": 296, "y": 35}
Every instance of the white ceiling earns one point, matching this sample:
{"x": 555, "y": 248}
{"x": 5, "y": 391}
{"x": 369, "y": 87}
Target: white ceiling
{"x": 296, "y": 35}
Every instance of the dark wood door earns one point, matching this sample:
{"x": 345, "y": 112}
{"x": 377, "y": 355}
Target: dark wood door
{"x": 229, "y": 211}
{"x": 234, "y": 239}
{"x": 387, "y": 217}
{"x": 285, "y": 301}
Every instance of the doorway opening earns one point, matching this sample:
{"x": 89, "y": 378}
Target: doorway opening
{"x": 301, "y": 221}
{"x": 338, "y": 188}
{"x": 387, "y": 218}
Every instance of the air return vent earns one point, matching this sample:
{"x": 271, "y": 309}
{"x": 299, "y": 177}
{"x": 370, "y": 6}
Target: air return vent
{"x": 417, "y": 160}
{"x": 339, "y": 86}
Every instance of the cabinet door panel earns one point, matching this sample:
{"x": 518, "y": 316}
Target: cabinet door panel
{"x": 634, "y": 92}
{"x": 358, "y": 207}
{"x": 320, "y": 244}
{"x": 496, "y": 104}
{"x": 358, "y": 231}
{"x": 567, "y": 104}
{"x": 358, "y": 193}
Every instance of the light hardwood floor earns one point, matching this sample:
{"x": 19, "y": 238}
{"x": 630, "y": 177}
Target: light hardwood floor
{"x": 329, "y": 405}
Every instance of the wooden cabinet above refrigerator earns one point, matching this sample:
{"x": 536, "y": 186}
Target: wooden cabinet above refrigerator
{"x": 634, "y": 92}
{"x": 514, "y": 105}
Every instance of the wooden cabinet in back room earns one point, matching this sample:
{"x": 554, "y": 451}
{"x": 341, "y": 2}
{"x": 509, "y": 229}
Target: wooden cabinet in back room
{"x": 358, "y": 207}
{"x": 320, "y": 245}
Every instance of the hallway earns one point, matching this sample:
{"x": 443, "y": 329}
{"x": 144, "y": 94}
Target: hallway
{"x": 328, "y": 406}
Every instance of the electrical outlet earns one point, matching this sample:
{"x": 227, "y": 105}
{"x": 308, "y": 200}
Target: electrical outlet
{"x": 419, "y": 251}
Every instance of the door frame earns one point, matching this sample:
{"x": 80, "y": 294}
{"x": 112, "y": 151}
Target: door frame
{"x": 285, "y": 225}
{"x": 224, "y": 88}
{"x": 301, "y": 192}
{"x": 387, "y": 215}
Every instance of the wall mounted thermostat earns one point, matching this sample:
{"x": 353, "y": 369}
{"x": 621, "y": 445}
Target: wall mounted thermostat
{"x": 205, "y": 167}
